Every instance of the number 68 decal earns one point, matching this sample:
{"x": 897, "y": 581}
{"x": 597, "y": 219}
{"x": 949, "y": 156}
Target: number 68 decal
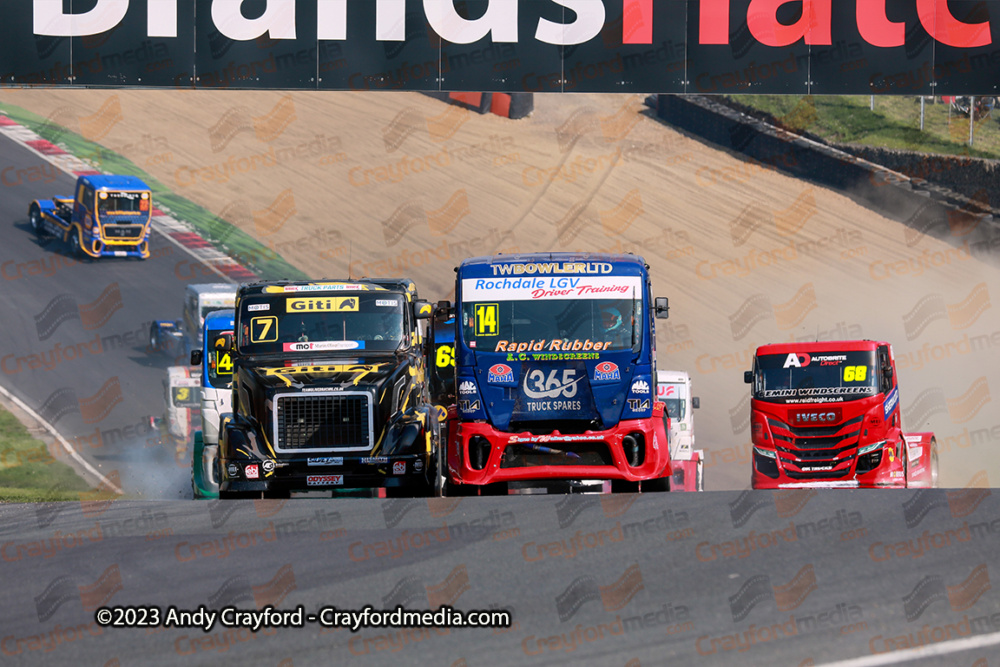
{"x": 855, "y": 373}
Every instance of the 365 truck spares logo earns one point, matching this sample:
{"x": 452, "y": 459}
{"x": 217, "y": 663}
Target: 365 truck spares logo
{"x": 501, "y": 21}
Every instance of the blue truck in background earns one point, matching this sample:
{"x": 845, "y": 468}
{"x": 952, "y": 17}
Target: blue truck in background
{"x": 107, "y": 216}
{"x": 216, "y": 399}
{"x": 555, "y": 375}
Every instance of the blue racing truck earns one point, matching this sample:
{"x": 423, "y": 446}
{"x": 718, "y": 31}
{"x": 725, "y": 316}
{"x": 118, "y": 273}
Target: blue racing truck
{"x": 555, "y": 373}
{"x": 216, "y": 399}
{"x": 108, "y": 216}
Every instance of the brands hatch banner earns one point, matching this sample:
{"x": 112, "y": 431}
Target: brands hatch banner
{"x": 906, "y": 47}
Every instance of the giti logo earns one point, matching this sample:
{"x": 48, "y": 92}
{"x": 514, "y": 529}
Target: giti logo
{"x": 786, "y": 316}
{"x": 440, "y": 128}
{"x": 238, "y": 589}
{"x": 439, "y": 221}
{"x": 265, "y": 128}
{"x": 960, "y": 597}
{"x": 92, "y": 409}
{"x": 786, "y": 597}
{"x": 91, "y": 596}
{"x": 786, "y": 222}
{"x": 613, "y": 596}
{"x": 97, "y": 126}
{"x": 932, "y": 307}
{"x": 92, "y": 315}
{"x": 335, "y": 304}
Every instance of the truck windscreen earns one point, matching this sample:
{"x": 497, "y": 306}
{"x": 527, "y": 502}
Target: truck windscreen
{"x": 672, "y": 394}
{"x": 546, "y": 325}
{"x": 821, "y": 377}
{"x": 122, "y": 203}
{"x": 321, "y": 322}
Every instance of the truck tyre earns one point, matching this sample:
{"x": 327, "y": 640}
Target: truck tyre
{"x": 934, "y": 464}
{"x": 154, "y": 337}
{"x": 75, "y": 249}
{"x": 624, "y": 486}
{"x": 239, "y": 495}
{"x": 494, "y": 489}
{"x": 37, "y": 226}
{"x": 659, "y": 485}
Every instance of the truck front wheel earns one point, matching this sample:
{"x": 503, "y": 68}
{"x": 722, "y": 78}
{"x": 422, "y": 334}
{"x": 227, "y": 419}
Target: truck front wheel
{"x": 659, "y": 485}
{"x": 75, "y": 249}
{"x": 154, "y": 338}
{"x": 37, "y": 226}
{"x": 934, "y": 464}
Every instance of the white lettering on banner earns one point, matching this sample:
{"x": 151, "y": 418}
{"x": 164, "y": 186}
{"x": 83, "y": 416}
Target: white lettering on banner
{"x": 499, "y": 21}
{"x": 588, "y": 23}
{"x": 277, "y": 21}
{"x": 544, "y": 288}
{"x": 49, "y": 19}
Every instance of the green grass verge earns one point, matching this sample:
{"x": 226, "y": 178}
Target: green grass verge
{"x": 28, "y": 473}
{"x": 226, "y": 237}
{"x": 894, "y": 123}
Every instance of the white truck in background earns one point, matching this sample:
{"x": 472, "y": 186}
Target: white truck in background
{"x": 673, "y": 388}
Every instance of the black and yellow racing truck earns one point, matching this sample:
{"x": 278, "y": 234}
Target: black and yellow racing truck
{"x": 330, "y": 391}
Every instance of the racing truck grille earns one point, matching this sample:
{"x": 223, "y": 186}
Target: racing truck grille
{"x": 338, "y": 421}
{"x": 813, "y": 452}
{"x": 529, "y": 455}
{"x": 123, "y": 232}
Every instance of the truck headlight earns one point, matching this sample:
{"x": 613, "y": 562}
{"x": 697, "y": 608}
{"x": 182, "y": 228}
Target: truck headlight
{"x": 871, "y": 448}
{"x": 765, "y": 452}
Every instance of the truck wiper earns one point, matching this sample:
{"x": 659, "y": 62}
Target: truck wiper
{"x": 633, "y": 319}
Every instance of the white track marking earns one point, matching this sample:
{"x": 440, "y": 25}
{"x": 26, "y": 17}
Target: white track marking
{"x": 932, "y": 651}
{"x": 63, "y": 441}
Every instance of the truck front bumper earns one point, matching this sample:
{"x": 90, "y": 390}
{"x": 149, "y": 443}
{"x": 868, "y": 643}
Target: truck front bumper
{"x": 334, "y": 473}
{"x": 478, "y": 454}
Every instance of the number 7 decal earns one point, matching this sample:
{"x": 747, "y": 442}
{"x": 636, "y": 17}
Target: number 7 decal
{"x": 264, "y": 329}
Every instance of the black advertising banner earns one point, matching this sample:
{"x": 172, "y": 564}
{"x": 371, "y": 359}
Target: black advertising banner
{"x": 903, "y": 47}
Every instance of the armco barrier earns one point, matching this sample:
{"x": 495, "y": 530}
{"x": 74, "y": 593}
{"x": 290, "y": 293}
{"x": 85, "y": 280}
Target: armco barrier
{"x": 915, "y": 202}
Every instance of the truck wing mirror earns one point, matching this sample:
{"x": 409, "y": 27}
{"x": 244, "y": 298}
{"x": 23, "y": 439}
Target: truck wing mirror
{"x": 444, "y": 310}
{"x": 223, "y": 342}
{"x": 196, "y": 357}
{"x": 748, "y": 376}
{"x": 695, "y": 402}
{"x": 422, "y": 309}
{"x": 661, "y": 306}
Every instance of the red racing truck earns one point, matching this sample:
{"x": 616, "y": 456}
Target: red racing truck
{"x": 826, "y": 414}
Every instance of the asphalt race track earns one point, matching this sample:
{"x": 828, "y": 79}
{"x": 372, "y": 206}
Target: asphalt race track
{"x": 798, "y": 578}
{"x": 749, "y": 256}
{"x": 84, "y": 325}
